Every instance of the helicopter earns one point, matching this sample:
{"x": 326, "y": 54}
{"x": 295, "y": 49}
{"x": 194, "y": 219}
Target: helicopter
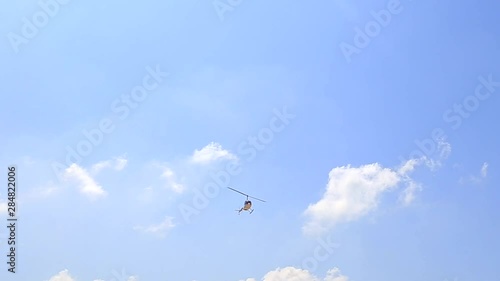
{"x": 248, "y": 204}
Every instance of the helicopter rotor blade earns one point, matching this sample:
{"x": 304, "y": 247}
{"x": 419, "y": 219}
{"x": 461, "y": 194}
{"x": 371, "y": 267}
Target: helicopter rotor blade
{"x": 238, "y": 191}
{"x": 257, "y": 198}
{"x": 245, "y": 194}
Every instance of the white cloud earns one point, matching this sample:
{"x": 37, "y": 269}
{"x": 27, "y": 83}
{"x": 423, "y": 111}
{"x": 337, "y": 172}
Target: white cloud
{"x": 409, "y": 166}
{"x": 164, "y": 176}
{"x": 172, "y": 183}
{"x": 444, "y": 149}
{"x": 45, "y": 190}
{"x": 353, "y": 192}
{"x": 160, "y": 229}
{"x": 476, "y": 179}
{"x": 433, "y": 163}
{"x": 86, "y": 184}
{"x": 83, "y": 178}
{"x": 408, "y": 195}
{"x": 443, "y": 152}
{"x": 191, "y": 170}
{"x": 297, "y": 274}
{"x": 334, "y": 274}
{"x": 289, "y": 274}
{"x": 116, "y": 164}
{"x": 130, "y": 278}
{"x": 484, "y": 170}
{"x": 62, "y": 276}
{"x": 211, "y": 153}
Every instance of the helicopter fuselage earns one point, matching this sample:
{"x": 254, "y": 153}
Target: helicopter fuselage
{"x": 247, "y": 206}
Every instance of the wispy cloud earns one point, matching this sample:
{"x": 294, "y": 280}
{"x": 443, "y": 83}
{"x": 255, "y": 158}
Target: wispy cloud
{"x": 65, "y": 276}
{"x": 86, "y": 184}
{"x": 296, "y": 274}
{"x": 483, "y": 173}
{"x": 408, "y": 194}
{"x": 117, "y": 164}
{"x": 45, "y": 190}
{"x": 334, "y": 274}
{"x": 172, "y": 183}
{"x": 82, "y": 178}
{"x": 433, "y": 163}
{"x": 160, "y": 230}
{"x": 192, "y": 169}
{"x": 443, "y": 152}
{"x": 409, "y": 166}
{"x": 484, "y": 170}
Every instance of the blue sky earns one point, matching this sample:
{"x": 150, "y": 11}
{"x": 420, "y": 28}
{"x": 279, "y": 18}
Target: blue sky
{"x": 377, "y": 164}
